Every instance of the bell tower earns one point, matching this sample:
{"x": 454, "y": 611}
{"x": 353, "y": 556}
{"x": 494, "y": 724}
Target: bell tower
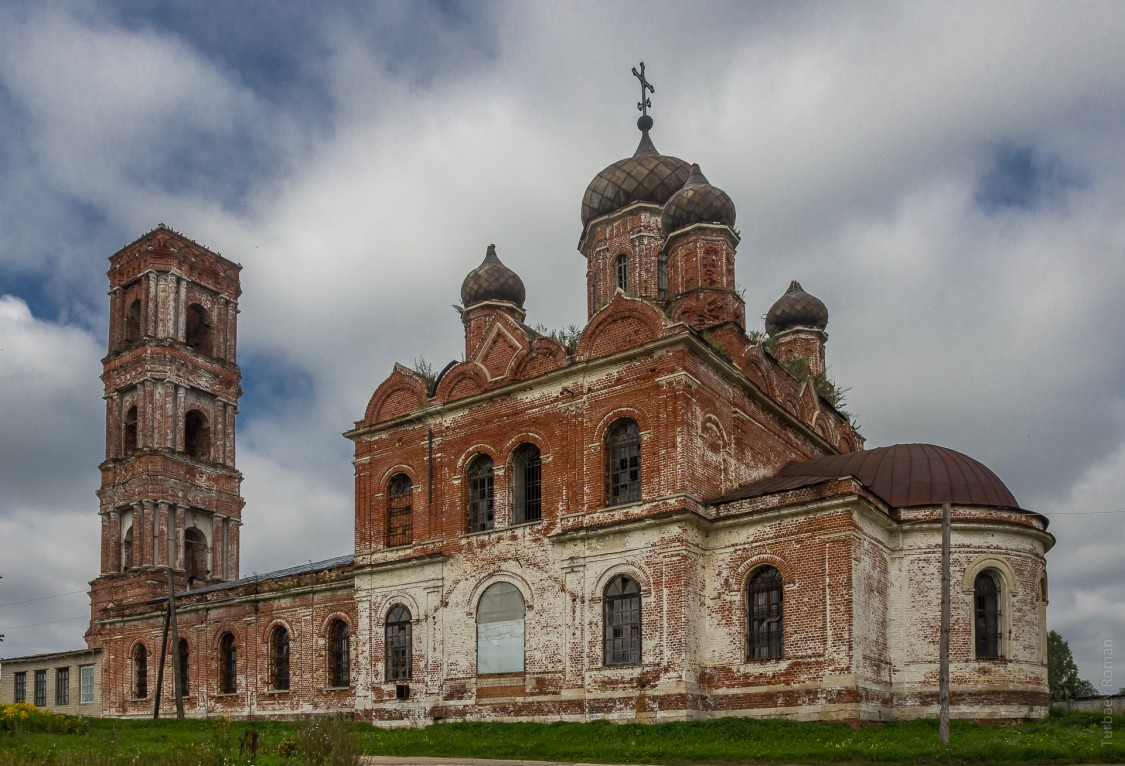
{"x": 170, "y": 492}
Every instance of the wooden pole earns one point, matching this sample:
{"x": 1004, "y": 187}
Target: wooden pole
{"x": 176, "y": 659}
{"x": 160, "y": 669}
{"x": 943, "y": 661}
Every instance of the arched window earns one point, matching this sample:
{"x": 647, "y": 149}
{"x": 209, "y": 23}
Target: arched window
{"x": 765, "y": 627}
{"x": 140, "y": 672}
{"x": 197, "y": 435}
{"x": 184, "y": 674}
{"x": 133, "y": 322}
{"x": 397, "y": 633}
{"x": 623, "y": 462}
{"x": 195, "y": 553}
{"x": 986, "y": 596}
{"x": 622, "y": 618}
{"x": 480, "y": 494}
{"x": 127, "y": 550}
{"x": 400, "y": 506}
{"x": 339, "y": 654}
{"x": 526, "y": 484}
{"x": 662, "y": 275}
{"x": 131, "y": 431}
{"x": 279, "y": 659}
{"x": 621, "y": 268}
{"x": 198, "y": 335}
{"x": 228, "y": 664}
{"x": 500, "y": 616}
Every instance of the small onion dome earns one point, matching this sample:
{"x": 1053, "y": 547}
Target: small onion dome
{"x": 492, "y": 281}
{"x": 697, "y": 202}
{"x": 796, "y": 309}
{"x": 647, "y": 176}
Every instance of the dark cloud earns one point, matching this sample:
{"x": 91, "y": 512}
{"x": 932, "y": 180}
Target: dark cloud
{"x": 1019, "y": 177}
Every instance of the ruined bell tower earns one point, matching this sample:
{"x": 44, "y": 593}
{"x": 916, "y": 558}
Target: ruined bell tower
{"x": 170, "y": 492}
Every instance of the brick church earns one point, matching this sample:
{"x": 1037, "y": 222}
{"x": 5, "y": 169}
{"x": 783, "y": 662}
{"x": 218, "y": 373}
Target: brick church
{"x": 663, "y": 518}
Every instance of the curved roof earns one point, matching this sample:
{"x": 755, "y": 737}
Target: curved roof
{"x": 913, "y": 474}
{"x": 697, "y": 202}
{"x": 492, "y": 280}
{"x": 647, "y": 176}
{"x": 796, "y": 308}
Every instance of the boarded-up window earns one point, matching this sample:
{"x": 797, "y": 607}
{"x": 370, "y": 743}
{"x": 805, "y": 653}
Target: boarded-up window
{"x": 500, "y": 630}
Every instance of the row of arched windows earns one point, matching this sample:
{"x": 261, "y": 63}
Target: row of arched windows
{"x": 197, "y": 562}
{"x": 338, "y": 641}
{"x": 197, "y": 434}
{"x": 621, "y": 274}
{"x": 500, "y": 634}
{"x": 197, "y": 330}
{"x": 622, "y": 485}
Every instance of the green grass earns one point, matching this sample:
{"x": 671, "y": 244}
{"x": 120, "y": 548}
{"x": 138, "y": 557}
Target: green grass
{"x": 1063, "y": 738}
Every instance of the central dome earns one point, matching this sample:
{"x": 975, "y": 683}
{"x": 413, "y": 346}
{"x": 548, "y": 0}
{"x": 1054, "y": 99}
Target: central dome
{"x": 647, "y": 176}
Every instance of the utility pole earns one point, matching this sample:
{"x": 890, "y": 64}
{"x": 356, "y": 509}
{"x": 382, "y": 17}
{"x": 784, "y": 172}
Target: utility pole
{"x": 177, "y": 686}
{"x": 943, "y": 661}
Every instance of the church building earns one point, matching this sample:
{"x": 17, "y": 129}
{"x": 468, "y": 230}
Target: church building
{"x": 664, "y": 518}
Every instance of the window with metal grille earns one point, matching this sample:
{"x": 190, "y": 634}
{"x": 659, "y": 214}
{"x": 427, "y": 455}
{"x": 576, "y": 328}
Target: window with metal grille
{"x": 279, "y": 659}
{"x": 21, "y": 687}
{"x": 662, "y": 275}
{"x": 140, "y": 672}
{"x": 41, "y": 688}
{"x": 228, "y": 664}
{"x": 85, "y": 684}
{"x": 526, "y": 485}
{"x": 623, "y": 463}
{"x": 62, "y": 686}
{"x": 765, "y": 627}
{"x": 986, "y": 595}
{"x": 621, "y": 267}
{"x": 339, "y": 654}
{"x": 184, "y": 674}
{"x": 397, "y": 632}
{"x": 622, "y": 621}
{"x": 480, "y": 494}
{"x": 400, "y": 511}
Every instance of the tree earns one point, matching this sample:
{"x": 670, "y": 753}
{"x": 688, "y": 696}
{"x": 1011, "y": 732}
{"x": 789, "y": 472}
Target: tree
{"x": 1062, "y": 673}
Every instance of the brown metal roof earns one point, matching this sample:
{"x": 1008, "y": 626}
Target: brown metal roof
{"x": 903, "y": 475}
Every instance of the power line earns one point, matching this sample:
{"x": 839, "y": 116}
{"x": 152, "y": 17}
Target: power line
{"x": 37, "y": 624}
{"x": 44, "y": 598}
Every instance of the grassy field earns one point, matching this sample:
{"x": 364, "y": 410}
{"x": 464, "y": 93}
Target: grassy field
{"x": 60, "y": 741}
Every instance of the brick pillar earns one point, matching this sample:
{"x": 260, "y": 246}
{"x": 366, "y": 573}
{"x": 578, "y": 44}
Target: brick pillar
{"x": 180, "y": 521}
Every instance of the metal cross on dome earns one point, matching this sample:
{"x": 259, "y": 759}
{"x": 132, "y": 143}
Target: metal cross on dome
{"x": 645, "y": 102}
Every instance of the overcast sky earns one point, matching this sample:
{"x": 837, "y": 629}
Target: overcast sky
{"x": 949, "y": 178}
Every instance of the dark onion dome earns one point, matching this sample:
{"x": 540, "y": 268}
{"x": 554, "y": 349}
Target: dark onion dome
{"x": 903, "y": 475}
{"x": 492, "y": 281}
{"x": 647, "y": 176}
{"x": 796, "y": 309}
{"x": 697, "y": 202}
